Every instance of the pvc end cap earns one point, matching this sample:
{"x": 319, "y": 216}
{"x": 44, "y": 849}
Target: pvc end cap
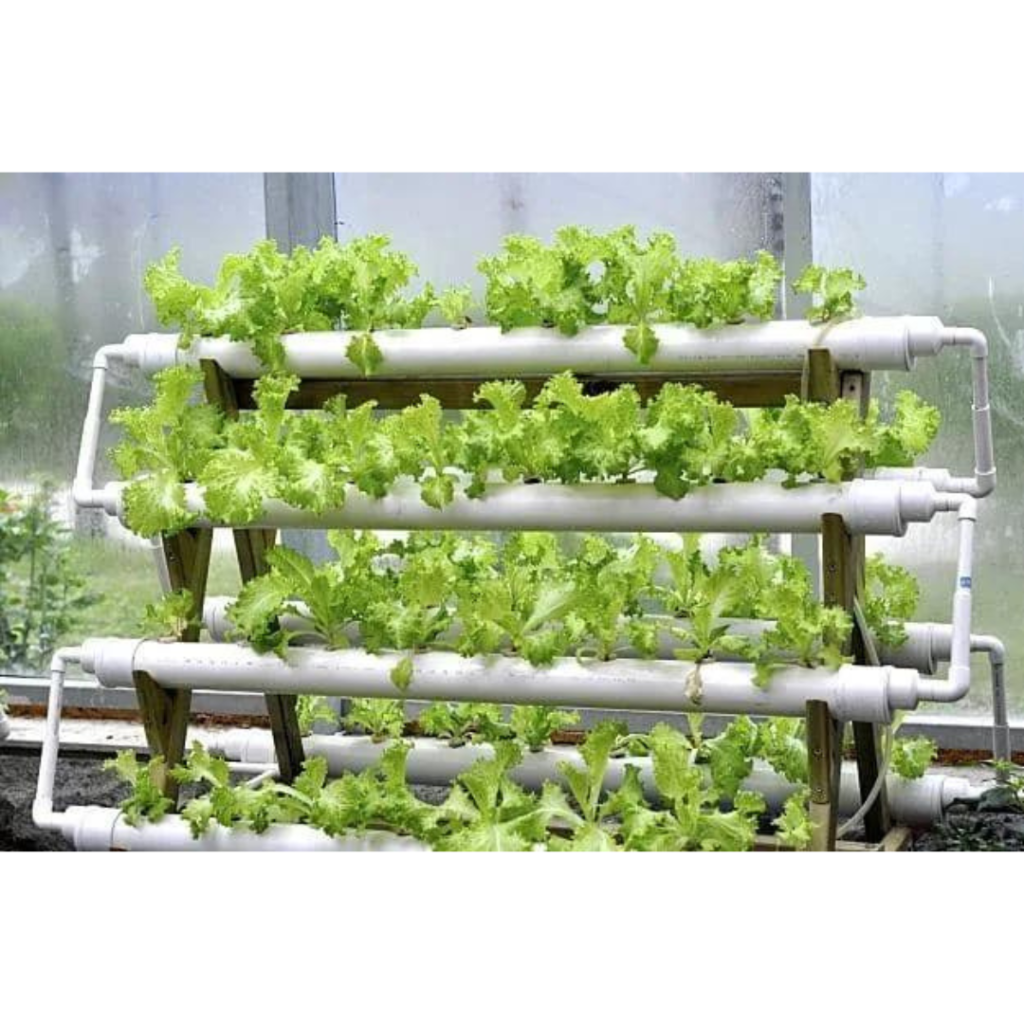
{"x": 904, "y": 687}
{"x": 150, "y": 352}
{"x": 918, "y": 501}
{"x": 5, "y": 727}
{"x": 924, "y": 336}
{"x": 91, "y": 827}
{"x": 111, "y": 660}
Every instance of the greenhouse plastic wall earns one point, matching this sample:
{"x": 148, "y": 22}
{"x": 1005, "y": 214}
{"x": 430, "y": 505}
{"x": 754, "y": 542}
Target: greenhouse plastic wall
{"x": 949, "y": 245}
{"x": 73, "y": 248}
{"x": 720, "y": 215}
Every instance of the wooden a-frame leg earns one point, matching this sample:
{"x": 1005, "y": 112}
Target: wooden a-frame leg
{"x": 842, "y": 584}
{"x": 842, "y": 562}
{"x": 164, "y": 711}
{"x": 825, "y": 758}
{"x": 252, "y": 547}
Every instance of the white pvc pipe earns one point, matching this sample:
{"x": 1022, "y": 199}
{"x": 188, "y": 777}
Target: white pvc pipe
{"x": 983, "y": 481}
{"x": 43, "y": 814}
{"x": 876, "y": 507}
{"x": 866, "y": 343}
{"x": 83, "y": 491}
{"x": 104, "y": 828}
{"x": 433, "y": 762}
{"x": 959, "y": 678}
{"x": 928, "y": 645}
{"x": 853, "y": 692}
{"x": 5, "y": 727}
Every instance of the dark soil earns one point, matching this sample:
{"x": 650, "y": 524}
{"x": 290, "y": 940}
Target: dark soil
{"x": 83, "y": 781}
{"x": 998, "y": 825}
{"x": 79, "y": 781}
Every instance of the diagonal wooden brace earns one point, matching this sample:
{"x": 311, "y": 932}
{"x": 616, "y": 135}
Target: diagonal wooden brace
{"x": 252, "y": 546}
{"x": 165, "y": 712}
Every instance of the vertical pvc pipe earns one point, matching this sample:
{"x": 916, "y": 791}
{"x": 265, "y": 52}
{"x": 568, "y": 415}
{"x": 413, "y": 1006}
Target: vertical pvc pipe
{"x": 82, "y": 490}
{"x": 42, "y": 807}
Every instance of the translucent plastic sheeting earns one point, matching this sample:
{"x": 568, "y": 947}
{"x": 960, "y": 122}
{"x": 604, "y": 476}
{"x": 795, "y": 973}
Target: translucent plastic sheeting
{"x": 949, "y": 245}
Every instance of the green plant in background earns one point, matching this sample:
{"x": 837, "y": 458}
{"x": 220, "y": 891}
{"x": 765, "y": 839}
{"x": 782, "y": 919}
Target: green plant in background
{"x": 534, "y": 724}
{"x": 146, "y": 801}
{"x": 380, "y": 719}
{"x": 41, "y": 595}
{"x": 912, "y": 755}
{"x": 169, "y": 617}
{"x": 34, "y": 381}
{"x": 462, "y": 723}
{"x": 311, "y": 709}
{"x": 834, "y": 289}
{"x": 1008, "y": 794}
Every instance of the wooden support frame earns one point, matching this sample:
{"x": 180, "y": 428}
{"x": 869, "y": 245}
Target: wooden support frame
{"x": 825, "y": 759}
{"x": 745, "y": 390}
{"x": 165, "y": 712}
{"x": 842, "y": 566}
{"x": 251, "y": 547}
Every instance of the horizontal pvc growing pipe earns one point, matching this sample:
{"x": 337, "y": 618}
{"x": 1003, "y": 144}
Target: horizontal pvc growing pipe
{"x": 854, "y": 692}
{"x": 433, "y": 762}
{"x": 104, "y": 828}
{"x": 876, "y": 507}
{"x": 928, "y": 645}
{"x": 883, "y": 343}
{"x": 866, "y": 343}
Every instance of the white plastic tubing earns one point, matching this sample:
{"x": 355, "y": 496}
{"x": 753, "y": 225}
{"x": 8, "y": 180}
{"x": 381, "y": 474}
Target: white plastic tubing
{"x": 928, "y": 645}
{"x": 868, "y": 343}
{"x": 874, "y": 507}
{"x": 5, "y": 727}
{"x": 434, "y": 763}
{"x": 104, "y": 828}
{"x": 853, "y": 692}
{"x": 882, "y": 343}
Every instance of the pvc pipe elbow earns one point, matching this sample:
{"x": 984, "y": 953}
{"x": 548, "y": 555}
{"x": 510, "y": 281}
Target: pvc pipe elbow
{"x": 45, "y": 817}
{"x": 990, "y": 645}
{"x": 983, "y": 484}
{"x": 966, "y": 337}
{"x": 959, "y": 682}
{"x": 84, "y": 495}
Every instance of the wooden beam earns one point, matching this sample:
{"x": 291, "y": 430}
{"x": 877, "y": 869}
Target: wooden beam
{"x": 165, "y": 712}
{"x": 747, "y": 391}
{"x": 825, "y": 758}
{"x": 251, "y": 547}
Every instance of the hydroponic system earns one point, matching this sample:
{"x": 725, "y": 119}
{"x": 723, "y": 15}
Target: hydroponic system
{"x": 623, "y": 401}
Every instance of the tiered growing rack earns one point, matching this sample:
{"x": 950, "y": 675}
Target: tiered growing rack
{"x": 750, "y": 365}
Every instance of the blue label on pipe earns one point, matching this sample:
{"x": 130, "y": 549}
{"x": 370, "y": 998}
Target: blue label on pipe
{"x": 965, "y": 582}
